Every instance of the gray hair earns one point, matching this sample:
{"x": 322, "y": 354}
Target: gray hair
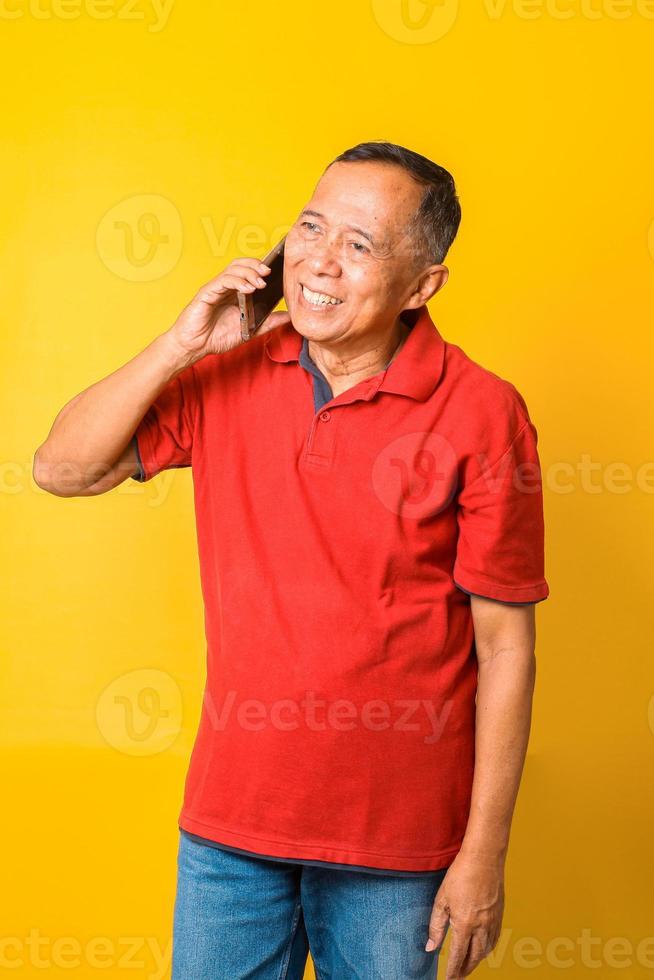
{"x": 434, "y": 226}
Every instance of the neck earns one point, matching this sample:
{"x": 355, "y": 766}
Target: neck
{"x": 344, "y": 369}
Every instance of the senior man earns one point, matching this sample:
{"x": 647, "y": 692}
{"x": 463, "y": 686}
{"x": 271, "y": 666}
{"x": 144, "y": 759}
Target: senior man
{"x": 370, "y": 532}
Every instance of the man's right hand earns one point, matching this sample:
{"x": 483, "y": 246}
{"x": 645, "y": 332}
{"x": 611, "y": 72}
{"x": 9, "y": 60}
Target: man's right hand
{"x": 89, "y": 448}
{"x": 210, "y": 324}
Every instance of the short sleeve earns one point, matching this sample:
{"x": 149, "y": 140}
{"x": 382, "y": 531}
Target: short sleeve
{"x": 500, "y": 546}
{"x": 164, "y": 437}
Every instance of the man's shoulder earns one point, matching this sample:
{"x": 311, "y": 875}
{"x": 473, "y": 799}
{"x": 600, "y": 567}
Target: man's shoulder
{"x": 482, "y": 396}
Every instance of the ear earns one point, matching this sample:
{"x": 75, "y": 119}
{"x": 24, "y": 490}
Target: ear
{"x": 430, "y": 281}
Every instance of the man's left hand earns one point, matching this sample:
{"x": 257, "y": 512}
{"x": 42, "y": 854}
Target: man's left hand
{"x": 471, "y": 898}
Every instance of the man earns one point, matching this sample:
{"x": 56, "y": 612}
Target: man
{"x": 370, "y": 531}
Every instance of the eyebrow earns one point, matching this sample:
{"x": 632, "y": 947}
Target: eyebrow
{"x": 355, "y": 228}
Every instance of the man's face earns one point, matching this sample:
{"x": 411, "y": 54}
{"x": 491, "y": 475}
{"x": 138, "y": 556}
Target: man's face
{"x": 350, "y": 244}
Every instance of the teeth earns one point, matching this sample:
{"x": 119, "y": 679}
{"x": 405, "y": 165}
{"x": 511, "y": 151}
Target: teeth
{"x": 319, "y": 299}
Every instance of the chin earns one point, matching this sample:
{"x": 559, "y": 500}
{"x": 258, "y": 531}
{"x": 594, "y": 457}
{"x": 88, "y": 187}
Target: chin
{"x": 307, "y": 324}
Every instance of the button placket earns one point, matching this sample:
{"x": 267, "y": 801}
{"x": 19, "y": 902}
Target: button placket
{"x": 320, "y": 447}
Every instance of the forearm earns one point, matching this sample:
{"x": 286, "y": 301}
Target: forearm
{"x": 503, "y": 718}
{"x": 93, "y": 429}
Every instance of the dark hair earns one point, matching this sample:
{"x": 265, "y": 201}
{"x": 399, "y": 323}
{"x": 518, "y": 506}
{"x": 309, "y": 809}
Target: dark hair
{"x": 436, "y": 222}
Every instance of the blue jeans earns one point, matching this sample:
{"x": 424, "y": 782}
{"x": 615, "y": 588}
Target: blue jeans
{"x": 239, "y": 917}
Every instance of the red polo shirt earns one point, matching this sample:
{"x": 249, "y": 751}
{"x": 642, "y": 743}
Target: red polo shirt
{"x": 337, "y": 550}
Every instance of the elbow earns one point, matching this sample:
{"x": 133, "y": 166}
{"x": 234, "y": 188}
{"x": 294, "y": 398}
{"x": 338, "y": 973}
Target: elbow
{"x": 44, "y": 474}
{"x": 39, "y": 471}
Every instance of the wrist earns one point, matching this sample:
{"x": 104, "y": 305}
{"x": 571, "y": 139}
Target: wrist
{"x": 483, "y": 853}
{"x": 174, "y": 356}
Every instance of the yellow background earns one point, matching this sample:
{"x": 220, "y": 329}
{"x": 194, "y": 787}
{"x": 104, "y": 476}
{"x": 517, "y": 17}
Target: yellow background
{"x": 142, "y": 153}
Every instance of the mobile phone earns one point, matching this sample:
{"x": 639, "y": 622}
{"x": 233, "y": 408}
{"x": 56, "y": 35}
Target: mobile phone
{"x": 257, "y": 306}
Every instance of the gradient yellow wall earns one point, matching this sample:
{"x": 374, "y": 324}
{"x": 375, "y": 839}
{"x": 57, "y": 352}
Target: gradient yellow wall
{"x": 146, "y": 145}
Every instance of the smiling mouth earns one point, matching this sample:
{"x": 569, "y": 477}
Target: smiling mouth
{"x": 318, "y": 301}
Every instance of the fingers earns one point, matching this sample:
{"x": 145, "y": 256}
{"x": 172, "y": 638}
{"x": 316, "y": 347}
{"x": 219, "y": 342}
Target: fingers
{"x": 250, "y": 263}
{"x": 468, "y": 947}
{"x": 243, "y": 274}
{"x": 478, "y": 950}
{"x": 255, "y": 276}
{"x": 459, "y": 943}
{"x": 243, "y": 284}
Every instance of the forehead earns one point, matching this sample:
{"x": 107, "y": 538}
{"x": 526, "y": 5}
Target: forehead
{"x": 378, "y": 197}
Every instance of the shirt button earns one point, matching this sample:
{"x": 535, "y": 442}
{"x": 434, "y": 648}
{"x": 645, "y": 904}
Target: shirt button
{"x": 325, "y": 416}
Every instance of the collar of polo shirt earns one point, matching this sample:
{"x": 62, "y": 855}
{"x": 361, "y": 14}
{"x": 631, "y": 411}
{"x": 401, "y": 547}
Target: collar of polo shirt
{"x": 415, "y": 371}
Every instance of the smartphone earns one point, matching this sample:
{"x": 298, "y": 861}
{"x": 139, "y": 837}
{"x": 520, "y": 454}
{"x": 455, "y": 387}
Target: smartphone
{"x": 257, "y": 306}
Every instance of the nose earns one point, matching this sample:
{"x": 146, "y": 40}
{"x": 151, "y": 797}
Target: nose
{"x": 322, "y": 257}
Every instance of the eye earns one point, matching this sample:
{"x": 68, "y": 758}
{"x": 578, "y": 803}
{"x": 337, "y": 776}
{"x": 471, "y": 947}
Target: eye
{"x": 310, "y": 225}
{"x": 359, "y": 247}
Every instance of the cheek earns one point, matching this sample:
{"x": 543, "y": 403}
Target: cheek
{"x": 294, "y": 250}
{"x": 367, "y": 282}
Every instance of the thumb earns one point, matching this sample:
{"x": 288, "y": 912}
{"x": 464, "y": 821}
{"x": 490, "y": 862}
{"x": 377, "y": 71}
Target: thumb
{"x": 438, "y": 924}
